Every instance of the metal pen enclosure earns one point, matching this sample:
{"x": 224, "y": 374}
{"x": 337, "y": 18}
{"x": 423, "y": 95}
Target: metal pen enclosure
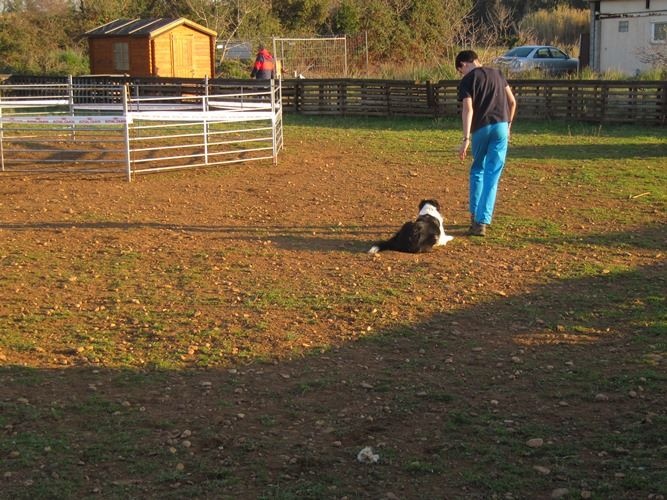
{"x": 138, "y": 128}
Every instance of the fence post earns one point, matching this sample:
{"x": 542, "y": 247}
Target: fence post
{"x": 70, "y": 102}
{"x": 70, "y": 94}
{"x": 605, "y": 98}
{"x": 430, "y": 98}
{"x": 280, "y": 95}
{"x": 273, "y": 122}
{"x": 387, "y": 97}
{"x": 298, "y": 96}
{"x": 342, "y": 96}
{"x": 2, "y": 138}
{"x": 345, "y": 64}
{"x": 126, "y": 129}
{"x": 204, "y": 104}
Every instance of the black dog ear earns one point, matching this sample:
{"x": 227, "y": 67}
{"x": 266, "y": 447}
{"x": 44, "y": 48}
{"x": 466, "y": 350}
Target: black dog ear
{"x": 431, "y": 202}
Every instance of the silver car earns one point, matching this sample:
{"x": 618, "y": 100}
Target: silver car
{"x": 545, "y": 57}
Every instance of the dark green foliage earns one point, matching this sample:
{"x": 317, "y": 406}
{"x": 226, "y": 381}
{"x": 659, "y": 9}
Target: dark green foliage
{"x": 300, "y": 15}
{"x": 47, "y": 37}
{"x": 346, "y": 19}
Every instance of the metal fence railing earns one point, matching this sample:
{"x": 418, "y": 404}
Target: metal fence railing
{"x": 595, "y": 101}
{"x": 137, "y": 127}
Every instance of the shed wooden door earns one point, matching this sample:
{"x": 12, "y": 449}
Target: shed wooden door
{"x": 181, "y": 53}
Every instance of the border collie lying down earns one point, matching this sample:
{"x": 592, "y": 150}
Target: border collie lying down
{"x": 420, "y": 235}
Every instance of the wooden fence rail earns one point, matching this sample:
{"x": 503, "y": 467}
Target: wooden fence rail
{"x": 635, "y": 102}
{"x": 596, "y": 101}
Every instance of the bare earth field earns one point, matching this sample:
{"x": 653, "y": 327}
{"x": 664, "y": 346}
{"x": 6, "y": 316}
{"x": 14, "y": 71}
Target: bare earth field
{"x": 223, "y": 333}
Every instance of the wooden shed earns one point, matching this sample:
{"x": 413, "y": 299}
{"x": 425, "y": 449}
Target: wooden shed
{"x": 165, "y": 47}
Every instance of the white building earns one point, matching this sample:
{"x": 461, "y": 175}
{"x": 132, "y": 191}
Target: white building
{"x": 629, "y": 36}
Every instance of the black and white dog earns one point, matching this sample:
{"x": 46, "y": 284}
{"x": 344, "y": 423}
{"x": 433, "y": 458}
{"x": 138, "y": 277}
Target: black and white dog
{"x": 420, "y": 235}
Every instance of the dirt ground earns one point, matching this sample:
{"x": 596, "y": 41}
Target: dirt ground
{"x": 224, "y": 334}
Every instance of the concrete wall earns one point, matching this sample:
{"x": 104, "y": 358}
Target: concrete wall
{"x": 627, "y": 51}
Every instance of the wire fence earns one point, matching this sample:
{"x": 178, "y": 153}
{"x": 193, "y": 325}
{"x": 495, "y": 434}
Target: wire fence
{"x": 323, "y": 57}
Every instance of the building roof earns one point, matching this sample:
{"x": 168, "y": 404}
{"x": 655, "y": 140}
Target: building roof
{"x": 152, "y": 26}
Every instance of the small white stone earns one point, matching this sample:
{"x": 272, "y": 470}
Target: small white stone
{"x": 366, "y": 456}
{"x": 542, "y": 470}
{"x": 535, "y": 442}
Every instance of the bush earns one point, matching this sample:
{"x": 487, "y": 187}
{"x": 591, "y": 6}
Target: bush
{"x": 234, "y": 68}
{"x": 562, "y": 25}
{"x": 71, "y": 62}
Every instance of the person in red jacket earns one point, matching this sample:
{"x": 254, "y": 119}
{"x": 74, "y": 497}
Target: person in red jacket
{"x": 265, "y": 66}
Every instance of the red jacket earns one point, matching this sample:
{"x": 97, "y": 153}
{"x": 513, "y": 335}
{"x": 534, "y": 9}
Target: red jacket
{"x": 264, "y": 67}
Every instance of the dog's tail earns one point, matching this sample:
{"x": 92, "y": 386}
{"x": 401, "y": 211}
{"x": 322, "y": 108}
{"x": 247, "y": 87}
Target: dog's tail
{"x": 380, "y": 246}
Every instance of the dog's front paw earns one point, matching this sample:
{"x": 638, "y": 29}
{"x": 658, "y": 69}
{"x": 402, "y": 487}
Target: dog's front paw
{"x": 444, "y": 240}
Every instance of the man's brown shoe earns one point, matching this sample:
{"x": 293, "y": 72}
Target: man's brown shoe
{"x": 477, "y": 229}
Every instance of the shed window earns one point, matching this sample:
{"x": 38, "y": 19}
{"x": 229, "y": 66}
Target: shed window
{"x": 121, "y": 56}
{"x": 659, "y": 33}
{"x": 623, "y": 26}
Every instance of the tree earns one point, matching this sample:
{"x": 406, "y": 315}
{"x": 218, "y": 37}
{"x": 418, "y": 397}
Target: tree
{"x": 96, "y": 12}
{"x": 436, "y": 25}
{"x": 302, "y": 16}
{"x": 418, "y": 31}
{"x": 37, "y": 39}
{"x": 231, "y": 18}
{"x": 493, "y": 27}
{"x": 656, "y": 56}
{"x": 381, "y": 26}
{"x": 346, "y": 18}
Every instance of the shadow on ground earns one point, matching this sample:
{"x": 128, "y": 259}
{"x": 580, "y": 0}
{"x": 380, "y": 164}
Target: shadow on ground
{"x": 560, "y": 387}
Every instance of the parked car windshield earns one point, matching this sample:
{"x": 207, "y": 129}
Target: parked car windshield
{"x": 519, "y": 52}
